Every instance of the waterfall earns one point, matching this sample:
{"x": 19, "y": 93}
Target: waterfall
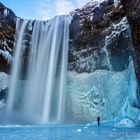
{"x": 17, "y": 65}
{"x": 43, "y": 93}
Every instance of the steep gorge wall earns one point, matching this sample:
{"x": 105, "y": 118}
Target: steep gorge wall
{"x": 7, "y": 36}
{"x": 132, "y": 9}
{"x": 99, "y": 38}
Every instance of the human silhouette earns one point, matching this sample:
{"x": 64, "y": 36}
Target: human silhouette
{"x": 98, "y": 120}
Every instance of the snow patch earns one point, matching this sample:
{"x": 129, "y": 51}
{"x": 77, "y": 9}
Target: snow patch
{"x": 6, "y": 55}
{"x": 116, "y": 3}
{"x": 125, "y": 123}
{"x": 2, "y": 104}
{"x": 3, "y": 81}
{"x": 6, "y": 12}
{"x": 116, "y": 29}
{"x": 78, "y": 130}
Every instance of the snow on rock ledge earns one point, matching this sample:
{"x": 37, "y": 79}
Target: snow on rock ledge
{"x": 7, "y": 36}
{"x": 88, "y": 31}
{"x": 3, "y": 81}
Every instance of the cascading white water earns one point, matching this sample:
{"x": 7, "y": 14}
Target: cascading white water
{"x": 43, "y": 94}
{"x": 20, "y": 27}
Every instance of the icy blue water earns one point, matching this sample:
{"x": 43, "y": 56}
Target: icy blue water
{"x": 68, "y": 132}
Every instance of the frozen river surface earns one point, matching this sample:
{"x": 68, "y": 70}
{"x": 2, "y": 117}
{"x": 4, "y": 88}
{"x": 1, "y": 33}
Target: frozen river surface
{"x": 67, "y": 132}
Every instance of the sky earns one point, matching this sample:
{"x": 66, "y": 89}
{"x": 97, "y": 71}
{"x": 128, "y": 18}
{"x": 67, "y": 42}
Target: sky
{"x": 42, "y": 9}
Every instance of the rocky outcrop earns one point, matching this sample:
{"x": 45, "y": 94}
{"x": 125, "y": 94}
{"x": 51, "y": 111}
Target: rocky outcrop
{"x": 99, "y": 38}
{"x": 132, "y": 9}
{"x": 7, "y": 36}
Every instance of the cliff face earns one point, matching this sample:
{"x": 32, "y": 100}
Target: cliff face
{"x": 132, "y": 9}
{"x": 99, "y": 38}
{"x": 7, "y": 35}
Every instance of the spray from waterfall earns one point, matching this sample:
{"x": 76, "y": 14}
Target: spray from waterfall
{"x": 20, "y": 27}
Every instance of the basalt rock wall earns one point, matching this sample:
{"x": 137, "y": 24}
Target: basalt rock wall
{"x": 99, "y": 38}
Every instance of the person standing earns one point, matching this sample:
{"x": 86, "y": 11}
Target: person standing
{"x": 98, "y": 120}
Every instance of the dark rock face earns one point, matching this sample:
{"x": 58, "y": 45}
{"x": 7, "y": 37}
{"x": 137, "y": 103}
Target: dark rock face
{"x": 7, "y": 36}
{"x": 132, "y": 9}
{"x": 3, "y": 94}
{"x": 99, "y": 38}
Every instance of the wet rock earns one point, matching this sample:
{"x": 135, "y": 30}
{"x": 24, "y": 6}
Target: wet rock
{"x": 7, "y": 37}
{"x": 89, "y": 47}
{"x": 99, "y": 38}
{"x": 132, "y": 9}
{"x": 3, "y": 94}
